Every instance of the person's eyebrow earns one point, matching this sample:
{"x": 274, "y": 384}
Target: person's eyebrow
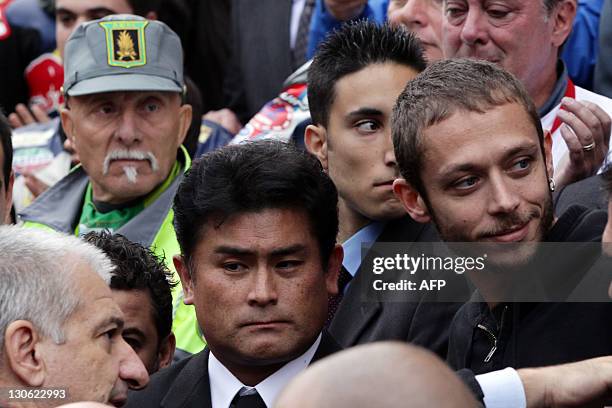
{"x": 113, "y": 320}
{"x": 468, "y": 167}
{"x": 523, "y": 149}
{"x": 457, "y": 168}
{"x": 100, "y": 10}
{"x": 361, "y": 112}
{"x": 290, "y": 250}
{"x": 228, "y": 250}
{"x": 134, "y": 331}
{"x": 62, "y": 10}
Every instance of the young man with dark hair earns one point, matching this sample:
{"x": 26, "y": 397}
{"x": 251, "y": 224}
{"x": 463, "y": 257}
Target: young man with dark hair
{"x": 257, "y": 226}
{"x": 475, "y": 160}
{"x": 6, "y": 171}
{"x": 141, "y": 285}
{"x": 351, "y": 49}
{"x": 354, "y": 80}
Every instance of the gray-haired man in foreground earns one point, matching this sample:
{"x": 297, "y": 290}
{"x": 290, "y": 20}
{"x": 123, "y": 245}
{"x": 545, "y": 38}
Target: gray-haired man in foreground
{"x": 60, "y": 330}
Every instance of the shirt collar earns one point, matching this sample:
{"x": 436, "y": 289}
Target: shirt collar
{"x": 224, "y": 385}
{"x": 558, "y": 91}
{"x": 366, "y": 236}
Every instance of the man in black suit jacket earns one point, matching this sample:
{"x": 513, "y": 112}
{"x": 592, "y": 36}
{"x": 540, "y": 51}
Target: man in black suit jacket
{"x": 260, "y": 54}
{"x": 354, "y": 81}
{"x": 268, "y": 43}
{"x": 257, "y": 226}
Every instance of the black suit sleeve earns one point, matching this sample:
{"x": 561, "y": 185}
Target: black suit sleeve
{"x": 233, "y": 86}
{"x": 469, "y": 379}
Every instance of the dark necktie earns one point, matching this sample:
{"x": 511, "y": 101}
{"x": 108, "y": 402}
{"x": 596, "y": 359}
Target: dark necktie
{"x": 301, "y": 40}
{"x": 334, "y": 301}
{"x": 247, "y": 398}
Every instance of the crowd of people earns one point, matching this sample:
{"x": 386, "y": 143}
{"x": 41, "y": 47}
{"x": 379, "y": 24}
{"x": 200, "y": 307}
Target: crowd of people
{"x": 193, "y": 196}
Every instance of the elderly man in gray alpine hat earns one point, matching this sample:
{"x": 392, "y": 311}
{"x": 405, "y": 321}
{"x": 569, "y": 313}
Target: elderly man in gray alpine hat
{"x": 126, "y": 120}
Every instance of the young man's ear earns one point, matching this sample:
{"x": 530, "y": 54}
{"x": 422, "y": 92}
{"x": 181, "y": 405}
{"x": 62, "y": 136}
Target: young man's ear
{"x": 315, "y": 139}
{"x": 21, "y": 341}
{"x": 180, "y": 263}
{"x": 166, "y": 351}
{"x": 411, "y": 200}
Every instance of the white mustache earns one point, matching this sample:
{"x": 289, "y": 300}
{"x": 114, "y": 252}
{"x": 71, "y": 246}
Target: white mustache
{"x": 129, "y": 155}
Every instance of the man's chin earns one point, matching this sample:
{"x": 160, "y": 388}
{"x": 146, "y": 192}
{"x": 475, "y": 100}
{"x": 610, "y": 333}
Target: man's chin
{"x": 272, "y": 353}
{"x": 510, "y": 255}
{"x": 390, "y": 211}
{"x": 123, "y": 190}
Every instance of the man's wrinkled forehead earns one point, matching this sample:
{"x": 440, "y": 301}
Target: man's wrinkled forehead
{"x": 123, "y": 96}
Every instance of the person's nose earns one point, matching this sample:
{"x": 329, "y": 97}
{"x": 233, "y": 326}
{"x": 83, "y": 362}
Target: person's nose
{"x": 263, "y": 288}
{"x": 131, "y": 367}
{"x": 127, "y": 129}
{"x": 503, "y": 198}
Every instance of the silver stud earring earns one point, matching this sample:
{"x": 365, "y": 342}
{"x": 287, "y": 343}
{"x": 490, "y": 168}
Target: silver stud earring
{"x": 551, "y": 184}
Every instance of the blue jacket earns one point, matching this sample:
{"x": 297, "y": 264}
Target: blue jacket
{"x": 322, "y": 22}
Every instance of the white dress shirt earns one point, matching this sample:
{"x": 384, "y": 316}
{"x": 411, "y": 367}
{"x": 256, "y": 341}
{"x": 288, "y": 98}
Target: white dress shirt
{"x": 502, "y": 389}
{"x": 365, "y": 237}
{"x": 224, "y": 385}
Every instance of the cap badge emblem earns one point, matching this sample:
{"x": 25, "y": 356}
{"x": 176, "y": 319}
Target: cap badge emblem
{"x": 125, "y": 43}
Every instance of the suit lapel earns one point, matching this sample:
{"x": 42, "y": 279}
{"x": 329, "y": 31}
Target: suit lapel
{"x": 406, "y": 229}
{"x": 354, "y": 315}
{"x": 327, "y": 346}
{"x": 191, "y": 388}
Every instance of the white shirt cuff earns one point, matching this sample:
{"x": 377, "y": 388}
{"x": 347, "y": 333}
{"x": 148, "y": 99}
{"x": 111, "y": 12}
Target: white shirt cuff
{"x": 502, "y": 389}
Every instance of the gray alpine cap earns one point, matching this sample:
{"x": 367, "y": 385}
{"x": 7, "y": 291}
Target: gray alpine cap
{"x": 123, "y": 53}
